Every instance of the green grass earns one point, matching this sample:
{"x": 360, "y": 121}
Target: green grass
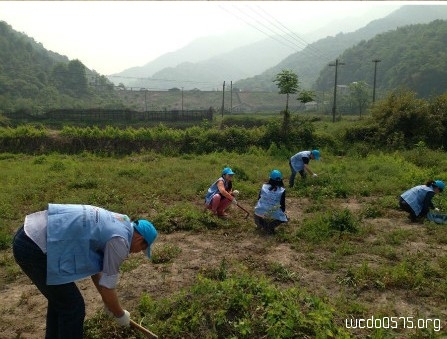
{"x": 357, "y": 248}
{"x": 241, "y": 307}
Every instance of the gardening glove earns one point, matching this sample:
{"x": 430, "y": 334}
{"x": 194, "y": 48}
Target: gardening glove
{"x": 235, "y": 193}
{"x": 314, "y": 175}
{"x": 124, "y": 320}
{"x": 234, "y": 201}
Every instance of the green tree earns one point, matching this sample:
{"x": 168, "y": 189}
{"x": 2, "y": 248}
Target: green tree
{"x": 359, "y": 95}
{"x": 306, "y": 96}
{"x": 59, "y": 73}
{"x": 437, "y": 114}
{"x": 77, "y": 80}
{"x": 287, "y": 82}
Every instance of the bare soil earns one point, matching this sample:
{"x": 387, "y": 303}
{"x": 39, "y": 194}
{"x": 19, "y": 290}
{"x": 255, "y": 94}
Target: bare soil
{"x": 23, "y": 308}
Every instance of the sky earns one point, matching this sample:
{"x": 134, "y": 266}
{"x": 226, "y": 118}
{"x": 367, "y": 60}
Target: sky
{"x": 111, "y": 36}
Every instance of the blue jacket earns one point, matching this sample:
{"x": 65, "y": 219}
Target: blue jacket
{"x": 269, "y": 203}
{"x": 214, "y": 190}
{"x": 416, "y": 198}
{"x": 297, "y": 160}
{"x": 76, "y": 239}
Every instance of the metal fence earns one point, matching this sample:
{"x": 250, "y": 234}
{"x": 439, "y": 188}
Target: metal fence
{"x": 102, "y": 115}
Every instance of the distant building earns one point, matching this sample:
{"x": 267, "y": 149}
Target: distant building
{"x": 311, "y": 106}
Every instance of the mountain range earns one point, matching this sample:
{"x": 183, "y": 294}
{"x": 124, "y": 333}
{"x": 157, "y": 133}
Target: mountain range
{"x": 410, "y": 44}
{"x": 206, "y": 63}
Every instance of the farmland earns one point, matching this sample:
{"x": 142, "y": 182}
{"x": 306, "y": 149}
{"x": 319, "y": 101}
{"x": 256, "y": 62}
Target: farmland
{"x": 347, "y": 252}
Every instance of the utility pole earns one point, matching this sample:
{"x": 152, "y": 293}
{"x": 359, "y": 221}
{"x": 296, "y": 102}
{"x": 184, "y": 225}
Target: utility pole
{"x": 145, "y": 98}
{"x": 223, "y": 98}
{"x": 231, "y": 97}
{"x": 334, "y": 105}
{"x": 375, "y": 73}
{"x": 182, "y": 99}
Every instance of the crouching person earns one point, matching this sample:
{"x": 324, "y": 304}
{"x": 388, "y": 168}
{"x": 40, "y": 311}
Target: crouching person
{"x": 68, "y": 242}
{"x": 271, "y": 206}
{"x": 417, "y": 201}
{"x": 220, "y": 194}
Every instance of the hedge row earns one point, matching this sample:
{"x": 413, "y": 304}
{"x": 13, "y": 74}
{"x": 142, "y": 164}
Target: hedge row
{"x": 111, "y": 140}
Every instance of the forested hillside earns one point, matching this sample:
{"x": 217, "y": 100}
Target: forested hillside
{"x": 316, "y": 56}
{"x": 412, "y": 57}
{"x": 34, "y": 79}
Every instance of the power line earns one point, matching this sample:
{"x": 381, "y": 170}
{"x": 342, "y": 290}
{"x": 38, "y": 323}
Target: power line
{"x": 258, "y": 29}
{"x": 280, "y": 36}
{"x": 298, "y": 43}
{"x": 301, "y": 42}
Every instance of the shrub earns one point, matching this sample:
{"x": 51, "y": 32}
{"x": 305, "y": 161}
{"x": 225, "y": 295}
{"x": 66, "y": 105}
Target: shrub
{"x": 319, "y": 229}
{"x": 243, "y": 307}
{"x": 403, "y": 120}
{"x": 185, "y": 217}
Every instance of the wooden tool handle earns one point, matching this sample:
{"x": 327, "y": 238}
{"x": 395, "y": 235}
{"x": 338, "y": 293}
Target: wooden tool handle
{"x": 140, "y": 328}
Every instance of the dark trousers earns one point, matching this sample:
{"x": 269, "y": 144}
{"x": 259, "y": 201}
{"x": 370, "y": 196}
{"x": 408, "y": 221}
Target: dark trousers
{"x": 267, "y": 225}
{"x": 405, "y": 207}
{"x": 293, "y": 175}
{"x": 66, "y": 308}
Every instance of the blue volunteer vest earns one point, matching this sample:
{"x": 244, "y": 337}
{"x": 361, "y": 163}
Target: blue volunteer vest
{"x": 415, "y": 197}
{"x": 76, "y": 238}
{"x": 214, "y": 190}
{"x": 269, "y": 203}
{"x": 297, "y": 160}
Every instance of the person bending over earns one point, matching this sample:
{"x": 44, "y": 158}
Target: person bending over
{"x": 67, "y": 242}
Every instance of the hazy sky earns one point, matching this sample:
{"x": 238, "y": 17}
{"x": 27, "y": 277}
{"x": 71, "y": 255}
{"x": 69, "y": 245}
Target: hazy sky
{"x": 111, "y": 36}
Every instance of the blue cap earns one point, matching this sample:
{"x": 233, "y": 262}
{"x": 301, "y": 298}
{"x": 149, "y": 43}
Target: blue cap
{"x": 439, "y": 184}
{"x": 227, "y": 170}
{"x": 276, "y": 175}
{"x": 316, "y": 154}
{"x": 148, "y": 231}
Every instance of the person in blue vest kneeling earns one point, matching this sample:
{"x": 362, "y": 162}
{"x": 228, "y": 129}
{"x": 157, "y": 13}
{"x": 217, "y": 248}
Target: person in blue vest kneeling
{"x": 271, "y": 206}
{"x": 417, "y": 201}
{"x": 67, "y": 242}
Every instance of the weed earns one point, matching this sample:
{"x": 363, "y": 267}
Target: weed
{"x": 246, "y": 307}
{"x": 281, "y": 273}
{"x": 164, "y": 254}
{"x": 101, "y": 326}
{"x": 5, "y": 239}
{"x": 84, "y": 183}
{"x": 371, "y": 211}
{"x": 349, "y": 279}
{"x": 183, "y": 217}
{"x": 40, "y": 160}
{"x": 345, "y": 249}
{"x": 131, "y": 263}
{"x": 130, "y": 173}
{"x": 343, "y": 221}
{"x": 9, "y": 267}
{"x": 57, "y": 166}
{"x": 217, "y": 274}
{"x": 397, "y": 237}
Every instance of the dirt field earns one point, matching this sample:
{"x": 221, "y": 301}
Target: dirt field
{"x": 22, "y": 308}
